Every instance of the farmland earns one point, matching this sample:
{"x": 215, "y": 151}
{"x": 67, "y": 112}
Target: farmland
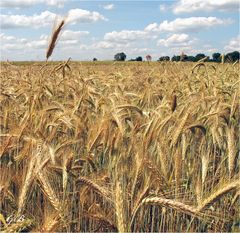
{"x": 119, "y": 146}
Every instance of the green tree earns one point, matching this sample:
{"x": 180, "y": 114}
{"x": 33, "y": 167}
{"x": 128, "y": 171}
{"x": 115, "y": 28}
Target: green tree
{"x": 200, "y": 56}
{"x": 139, "y": 58}
{"x": 176, "y": 58}
{"x": 191, "y": 58}
{"x": 120, "y": 57}
{"x": 216, "y": 57}
{"x": 233, "y": 56}
{"x": 164, "y": 58}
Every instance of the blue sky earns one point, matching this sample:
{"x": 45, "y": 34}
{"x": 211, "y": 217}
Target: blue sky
{"x": 102, "y": 28}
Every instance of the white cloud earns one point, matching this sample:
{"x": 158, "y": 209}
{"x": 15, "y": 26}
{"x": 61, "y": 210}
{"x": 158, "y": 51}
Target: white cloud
{"x": 139, "y": 50}
{"x": 194, "y": 51}
{"x": 108, "y": 7}
{"x": 38, "y": 44}
{"x": 83, "y": 47}
{"x": 35, "y": 21}
{"x": 163, "y": 7}
{"x": 5, "y": 38}
{"x": 176, "y": 40}
{"x": 103, "y": 45}
{"x": 211, "y": 50}
{"x": 109, "y": 45}
{"x": 187, "y": 24}
{"x": 233, "y": 45}
{"x": 153, "y": 27}
{"x": 12, "y": 46}
{"x": 28, "y": 3}
{"x": 83, "y": 16}
{"x": 130, "y": 41}
{"x": 47, "y": 18}
{"x": 127, "y": 36}
{"x": 58, "y": 3}
{"x": 189, "y": 6}
{"x": 73, "y": 35}
{"x": 42, "y": 43}
{"x": 68, "y": 42}
{"x": 11, "y": 42}
{"x": 68, "y": 38}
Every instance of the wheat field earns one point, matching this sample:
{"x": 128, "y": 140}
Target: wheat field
{"x": 119, "y": 147}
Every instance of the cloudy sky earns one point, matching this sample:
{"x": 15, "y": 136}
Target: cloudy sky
{"x": 102, "y": 28}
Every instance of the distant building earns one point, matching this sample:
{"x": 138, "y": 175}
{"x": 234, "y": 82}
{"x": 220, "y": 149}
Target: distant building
{"x": 148, "y": 58}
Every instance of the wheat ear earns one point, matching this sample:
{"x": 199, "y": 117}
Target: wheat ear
{"x": 179, "y": 129}
{"x": 179, "y": 206}
{"x": 29, "y": 179}
{"x": 18, "y": 226}
{"x": 218, "y": 194}
{"x": 231, "y": 150}
{"x": 99, "y": 189}
{"x": 53, "y": 40}
{"x": 120, "y": 208}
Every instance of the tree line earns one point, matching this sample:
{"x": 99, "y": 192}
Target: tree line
{"x": 216, "y": 57}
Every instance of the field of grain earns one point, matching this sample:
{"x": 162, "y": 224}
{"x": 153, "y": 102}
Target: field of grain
{"x": 119, "y": 147}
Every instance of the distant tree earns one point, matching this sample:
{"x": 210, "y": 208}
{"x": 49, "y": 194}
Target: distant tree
{"x": 94, "y": 59}
{"x": 199, "y": 56}
{"x": 136, "y": 59}
{"x": 191, "y": 58}
{"x": 167, "y": 58}
{"x": 120, "y": 57}
{"x": 216, "y": 57}
{"x": 148, "y": 58}
{"x": 164, "y": 58}
{"x": 139, "y": 58}
{"x": 175, "y": 58}
{"x": 183, "y": 57}
{"x": 233, "y": 56}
